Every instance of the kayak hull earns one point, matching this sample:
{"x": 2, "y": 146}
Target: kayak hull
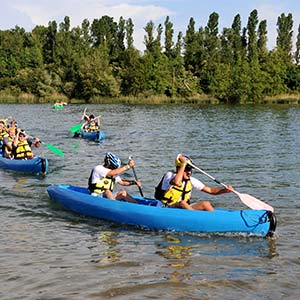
{"x": 37, "y": 165}
{"x": 93, "y": 135}
{"x": 149, "y": 213}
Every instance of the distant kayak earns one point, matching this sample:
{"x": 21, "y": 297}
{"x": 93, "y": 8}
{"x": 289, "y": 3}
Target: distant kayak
{"x": 92, "y": 135}
{"x": 37, "y": 165}
{"x": 58, "y": 106}
{"x": 150, "y": 213}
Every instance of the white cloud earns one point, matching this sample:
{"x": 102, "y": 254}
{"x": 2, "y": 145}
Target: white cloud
{"x": 41, "y": 12}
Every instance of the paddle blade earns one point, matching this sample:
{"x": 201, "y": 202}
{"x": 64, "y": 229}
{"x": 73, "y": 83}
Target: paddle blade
{"x": 75, "y": 128}
{"x": 54, "y": 149}
{"x": 254, "y": 203}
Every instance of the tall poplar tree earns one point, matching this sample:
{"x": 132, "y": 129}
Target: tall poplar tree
{"x": 212, "y": 47}
{"x": 169, "y": 31}
{"x": 297, "y": 52}
{"x": 50, "y": 43}
{"x": 256, "y": 76}
{"x": 190, "y": 46}
{"x": 284, "y": 37}
{"x": 129, "y": 28}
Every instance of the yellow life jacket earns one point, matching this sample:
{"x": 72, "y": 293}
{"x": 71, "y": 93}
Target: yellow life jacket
{"x": 106, "y": 183}
{"x": 7, "y": 152}
{"x": 3, "y": 134}
{"x": 176, "y": 194}
{"x": 93, "y": 127}
{"x": 23, "y": 151}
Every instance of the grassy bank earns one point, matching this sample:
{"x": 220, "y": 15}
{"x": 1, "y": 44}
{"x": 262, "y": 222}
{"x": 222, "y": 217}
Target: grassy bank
{"x": 31, "y": 99}
{"x": 292, "y": 99}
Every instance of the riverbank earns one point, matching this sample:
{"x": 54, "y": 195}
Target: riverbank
{"x": 290, "y": 99}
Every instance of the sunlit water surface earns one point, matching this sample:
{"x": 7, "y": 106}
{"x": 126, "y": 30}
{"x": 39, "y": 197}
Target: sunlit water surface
{"x": 49, "y": 253}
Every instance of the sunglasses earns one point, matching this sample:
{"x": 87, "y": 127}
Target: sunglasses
{"x": 188, "y": 169}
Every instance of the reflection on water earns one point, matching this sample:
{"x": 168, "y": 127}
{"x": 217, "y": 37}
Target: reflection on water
{"x": 112, "y": 254}
{"x": 181, "y": 246}
{"x": 191, "y": 258}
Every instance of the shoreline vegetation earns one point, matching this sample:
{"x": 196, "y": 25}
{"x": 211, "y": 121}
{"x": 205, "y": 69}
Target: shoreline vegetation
{"x": 97, "y": 62}
{"x": 290, "y": 99}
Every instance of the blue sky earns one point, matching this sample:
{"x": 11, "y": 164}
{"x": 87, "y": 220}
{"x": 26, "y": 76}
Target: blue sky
{"x": 29, "y": 13}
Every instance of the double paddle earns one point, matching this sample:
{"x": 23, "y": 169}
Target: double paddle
{"x": 248, "y": 200}
{"x": 76, "y": 128}
{"x": 51, "y": 147}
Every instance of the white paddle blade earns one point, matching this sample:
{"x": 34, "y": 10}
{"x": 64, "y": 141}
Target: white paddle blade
{"x": 254, "y": 203}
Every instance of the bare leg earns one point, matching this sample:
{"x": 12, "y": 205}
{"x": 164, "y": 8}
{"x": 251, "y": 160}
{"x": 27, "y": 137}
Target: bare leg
{"x": 203, "y": 205}
{"x": 108, "y": 194}
{"x": 123, "y": 195}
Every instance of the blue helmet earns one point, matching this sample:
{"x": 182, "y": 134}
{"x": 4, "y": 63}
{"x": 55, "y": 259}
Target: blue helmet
{"x": 112, "y": 161}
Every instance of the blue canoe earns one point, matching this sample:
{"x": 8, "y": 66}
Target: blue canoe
{"x": 92, "y": 135}
{"x": 150, "y": 214}
{"x": 37, "y": 165}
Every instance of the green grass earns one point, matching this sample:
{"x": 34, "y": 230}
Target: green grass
{"x": 24, "y": 98}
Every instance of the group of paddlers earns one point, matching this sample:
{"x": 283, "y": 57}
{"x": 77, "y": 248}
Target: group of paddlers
{"x": 174, "y": 189}
{"x": 15, "y": 143}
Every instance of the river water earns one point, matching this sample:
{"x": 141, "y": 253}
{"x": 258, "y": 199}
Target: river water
{"x": 47, "y": 252}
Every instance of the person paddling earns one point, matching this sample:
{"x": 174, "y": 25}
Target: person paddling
{"x": 3, "y": 135}
{"x": 21, "y": 148}
{"x": 102, "y": 178}
{"x": 175, "y": 189}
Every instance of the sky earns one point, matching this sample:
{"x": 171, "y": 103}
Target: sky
{"x": 29, "y": 13}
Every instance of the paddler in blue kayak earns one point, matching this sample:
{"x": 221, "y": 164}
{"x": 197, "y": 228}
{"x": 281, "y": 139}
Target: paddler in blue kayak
{"x": 175, "y": 189}
{"x": 22, "y": 144}
{"x": 103, "y": 177}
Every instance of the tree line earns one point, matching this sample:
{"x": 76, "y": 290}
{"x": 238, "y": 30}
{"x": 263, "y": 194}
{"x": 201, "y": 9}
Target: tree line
{"x": 99, "y": 59}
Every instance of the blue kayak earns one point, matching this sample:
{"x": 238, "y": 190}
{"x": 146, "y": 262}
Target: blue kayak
{"x": 37, "y": 165}
{"x": 92, "y": 135}
{"x": 150, "y": 213}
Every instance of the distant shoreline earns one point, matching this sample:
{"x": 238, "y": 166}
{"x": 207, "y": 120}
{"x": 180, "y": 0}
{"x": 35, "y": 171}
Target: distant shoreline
{"x": 290, "y": 99}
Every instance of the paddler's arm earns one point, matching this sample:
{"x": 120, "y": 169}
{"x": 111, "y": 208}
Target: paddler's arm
{"x": 121, "y": 170}
{"x": 126, "y": 182}
{"x": 216, "y": 190}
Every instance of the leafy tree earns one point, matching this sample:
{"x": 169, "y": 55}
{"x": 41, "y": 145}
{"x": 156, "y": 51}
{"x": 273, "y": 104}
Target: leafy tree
{"x": 169, "y": 31}
{"x": 252, "y": 37}
{"x": 129, "y": 33}
{"x": 262, "y": 41}
{"x": 96, "y": 78}
{"x": 211, "y": 43}
{"x": 132, "y": 73}
{"x": 104, "y": 34}
{"x": 49, "y": 46}
{"x": 211, "y": 35}
{"x": 152, "y": 43}
{"x": 276, "y": 74}
{"x": 12, "y": 51}
{"x": 284, "y": 37}
{"x": 297, "y": 52}
{"x": 100, "y": 59}
{"x": 190, "y": 46}
{"x": 82, "y": 34}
